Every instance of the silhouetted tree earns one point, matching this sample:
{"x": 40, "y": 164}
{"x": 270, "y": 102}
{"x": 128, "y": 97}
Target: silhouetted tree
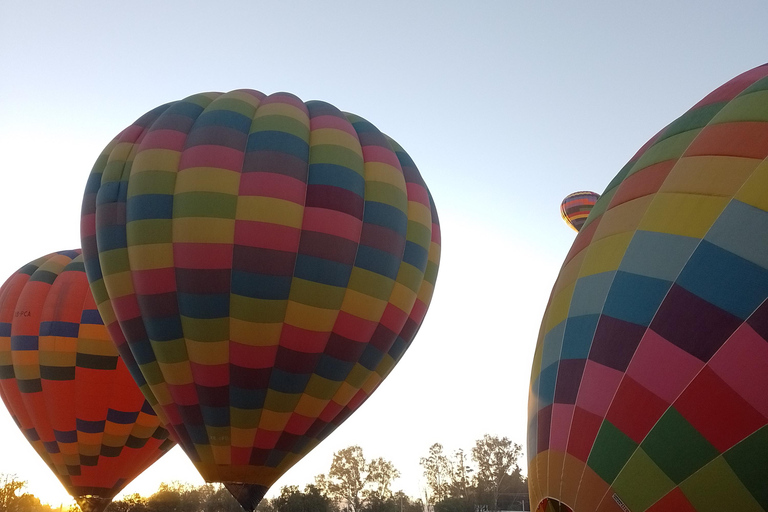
{"x": 496, "y": 459}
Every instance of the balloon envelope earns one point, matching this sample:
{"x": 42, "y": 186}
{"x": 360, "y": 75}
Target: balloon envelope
{"x": 575, "y": 208}
{"x": 65, "y": 386}
{"x": 267, "y": 262}
{"x": 648, "y": 388}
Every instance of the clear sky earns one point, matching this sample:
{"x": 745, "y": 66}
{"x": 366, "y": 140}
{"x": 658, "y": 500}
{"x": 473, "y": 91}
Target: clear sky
{"x": 506, "y": 106}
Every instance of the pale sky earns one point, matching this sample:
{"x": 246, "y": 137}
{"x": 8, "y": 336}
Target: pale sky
{"x": 506, "y": 106}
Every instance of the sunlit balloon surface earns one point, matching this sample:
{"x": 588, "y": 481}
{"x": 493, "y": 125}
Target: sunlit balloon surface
{"x": 65, "y": 386}
{"x": 649, "y": 388}
{"x": 267, "y": 262}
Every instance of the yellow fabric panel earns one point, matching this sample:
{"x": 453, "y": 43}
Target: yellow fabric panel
{"x": 253, "y": 333}
{"x": 203, "y": 230}
{"x": 709, "y": 175}
{"x": 569, "y": 487}
{"x": 208, "y": 352}
{"x": 155, "y": 160}
{"x": 206, "y": 329}
{"x": 221, "y": 454}
{"x": 558, "y": 308}
{"x": 282, "y": 109}
{"x": 402, "y": 297}
{"x": 120, "y": 284}
{"x": 277, "y": 401}
{"x": 274, "y": 420}
{"x": 591, "y": 490}
{"x": 244, "y": 417}
{"x": 385, "y": 173}
{"x": 310, "y": 318}
{"x": 208, "y": 179}
{"x": 176, "y": 374}
{"x": 623, "y": 218}
{"x": 243, "y": 437}
{"x": 570, "y": 272}
{"x": 50, "y": 345}
{"x": 320, "y": 388}
{"x": 363, "y": 306}
{"x": 605, "y": 255}
{"x": 420, "y": 213}
{"x": 97, "y": 347}
{"x": 270, "y": 210}
{"x": 151, "y": 256}
{"x": 753, "y": 190}
{"x": 310, "y": 406}
{"x": 91, "y": 333}
{"x": 334, "y": 137}
{"x": 683, "y": 214}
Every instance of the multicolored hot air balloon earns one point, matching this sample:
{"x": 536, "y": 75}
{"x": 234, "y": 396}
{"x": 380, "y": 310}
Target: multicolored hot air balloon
{"x": 267, "y": 262}
{"x": 65, "y": 386}
{"x": 649, "y": 389}
{"x": 575, "y": 208}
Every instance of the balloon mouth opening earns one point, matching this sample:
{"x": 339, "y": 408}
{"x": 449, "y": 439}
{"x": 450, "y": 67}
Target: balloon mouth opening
{"x": 92, "y": 502}
{"x": 247, "y": 495}
{"x": 552, "y": 505}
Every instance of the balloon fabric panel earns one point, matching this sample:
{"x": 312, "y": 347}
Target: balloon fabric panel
{"x": 267, "y": 260}
{"x": 648, "y": 381}
{"x": 66, "y": 387}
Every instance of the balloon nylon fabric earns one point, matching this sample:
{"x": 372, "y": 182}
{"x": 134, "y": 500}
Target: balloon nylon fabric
{"x": 648, "y": 387}
{"x": 266, "y": 262}
{"x": 65, "y": 386}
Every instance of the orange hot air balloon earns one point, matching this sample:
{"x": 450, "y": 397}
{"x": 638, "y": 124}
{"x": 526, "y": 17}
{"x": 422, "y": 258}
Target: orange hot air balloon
{"x": 575, "y": 208}
{"x": 66, "y": 387}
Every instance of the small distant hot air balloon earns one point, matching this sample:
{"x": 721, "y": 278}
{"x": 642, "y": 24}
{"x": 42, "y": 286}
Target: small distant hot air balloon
{"x": 649, "y": 385}
{"x": 267, "y": 262}
{"x": 66, "y": 387}
{"x": 575, "y": 208}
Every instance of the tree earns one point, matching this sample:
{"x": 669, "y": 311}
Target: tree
{"x": 311, "y": 500}
{"x": 495, "y": 458}
{"x": 354, "y": 482}
{"x": 10, "y": 485}
{"x": 460, "y": 479}
{"x": 438, "y": 472}
{"x": 131, "y": 503}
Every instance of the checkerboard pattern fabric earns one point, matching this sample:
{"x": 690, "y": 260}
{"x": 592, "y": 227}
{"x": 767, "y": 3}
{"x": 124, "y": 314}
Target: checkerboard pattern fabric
{"x": 650, "y": 377}
{"x": 65, "y": 385}
{"x": 266, "y": 262}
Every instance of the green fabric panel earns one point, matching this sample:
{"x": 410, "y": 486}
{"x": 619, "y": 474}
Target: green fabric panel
{"x": 379, "y": 192}
{"x": 749, "y": 460}
{"x": 676, "y": 447}
{"x": 173, "y": 351}
{"x": 760, "y": 85}
{"x": 149, "y": 231}
{"x": 257, "y": 310}
{"x": 371, "y": 283}
{"x": 692, "y": 120}
{"x": 716, "y": 488}
{"x": 410, "y": 277}
{"x": 152, "y": 182}
{"x": 329, "y": 153}
{"x": 611, "y": 450}
{"x": 114, "y": 261}
{"x": 227, "y": 102}
{"x": 600, "y": 206}
{"x": 655, "y": 484}
{"x": 204, "y": 204}
{"x": 316, "y": 294}
{"x": 623, "y": 173}
{"x": 281, "y": 123}
{"x": 206, "y": 329}
{"x": 671, "y": 148}
{"x": 419, "y": 234}
{"x": 749, "y": 107}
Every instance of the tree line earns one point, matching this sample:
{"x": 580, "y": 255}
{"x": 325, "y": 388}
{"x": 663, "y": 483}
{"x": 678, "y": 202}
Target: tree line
{"x": 487, "y": 478}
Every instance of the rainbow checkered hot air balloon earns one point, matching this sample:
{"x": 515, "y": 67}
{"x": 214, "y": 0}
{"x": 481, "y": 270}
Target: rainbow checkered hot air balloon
{"x": 575, "y": 208}
{"x": 267, "y": 262}
{"x": 649, "y": 388}
{"x": 65, "y": 386}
